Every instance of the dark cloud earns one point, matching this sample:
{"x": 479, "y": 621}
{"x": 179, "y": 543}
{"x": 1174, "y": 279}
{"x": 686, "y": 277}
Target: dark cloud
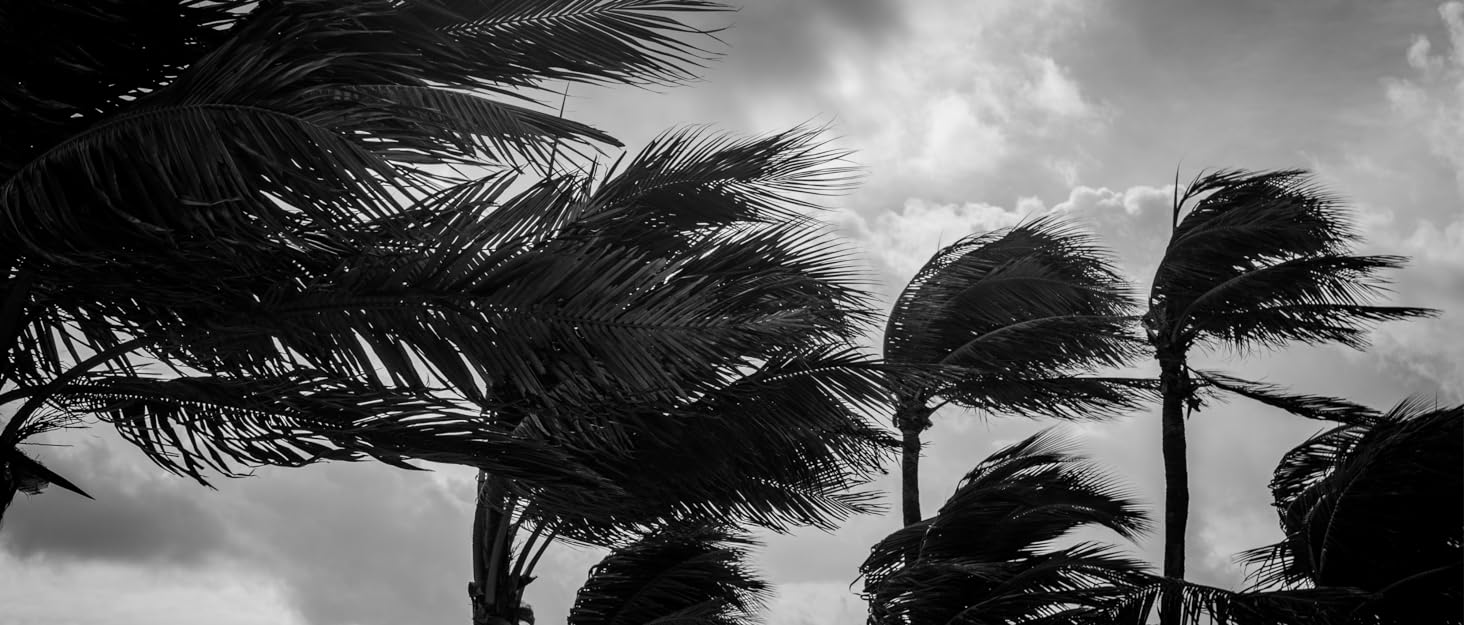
{"x": 151, "y": 519}
{"x": 358, "y": 544}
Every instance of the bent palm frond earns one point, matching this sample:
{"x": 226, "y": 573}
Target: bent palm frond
{"x": 1374, "y": 505}
{"x": 696, "y": 575}
{"x": 987, "y": 555}
{"x": 196, "y": 425}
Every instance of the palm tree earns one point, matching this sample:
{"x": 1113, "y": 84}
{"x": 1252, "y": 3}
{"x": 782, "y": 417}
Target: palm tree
{"x": 688, "y": 574}
{"x": 184, "y": 184}
{"x": 721, "y": 384}
{"x": 1013, "y": 321}
{"x": 1376, "y": 506}
{"x": 1254, "y": 260}
{"x": 989, "y": 555}
{"x": 284, "y": 271}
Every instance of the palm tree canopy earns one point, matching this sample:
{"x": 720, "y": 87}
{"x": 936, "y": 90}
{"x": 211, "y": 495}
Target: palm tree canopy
{"x": 695, "y": 575}
{"x": 1376, "y": 506}
{"x": 1261, "y": 259}
{"x": 988, "y": 556}
{"x": 1014, "y": 317}
{"x": 315, "y": 286}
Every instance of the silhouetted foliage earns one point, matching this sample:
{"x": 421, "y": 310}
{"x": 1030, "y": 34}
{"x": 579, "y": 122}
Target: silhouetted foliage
{"x": 1013, "y": 321}
{"x": 1254, "y": 260}
{"x": 1376, "y": 506}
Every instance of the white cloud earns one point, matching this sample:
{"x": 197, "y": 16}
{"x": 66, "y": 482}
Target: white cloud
{"x": 900, "y": 243}
{"x": 1433, "y": 99}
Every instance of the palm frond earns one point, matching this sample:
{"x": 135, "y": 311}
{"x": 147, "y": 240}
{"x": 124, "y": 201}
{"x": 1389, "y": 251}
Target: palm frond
{"x": 987, "y": 555}
{"x": 1069, "y": 398}
{"x": 1374, "y": 505}
{"x": 804, "y": 415}
{"x": 195, "y": 425}
{"x": 692, "y": 178}
{"x": 26, "y": 475}
{"x": 1264, "y": 258}
{"x": 691, "y": 574}
{"x": 1309, "y": 406}
{"x": 598, "y": 41}
{"x": 1309, "y": 299}
{"x": 1133, "y": 602}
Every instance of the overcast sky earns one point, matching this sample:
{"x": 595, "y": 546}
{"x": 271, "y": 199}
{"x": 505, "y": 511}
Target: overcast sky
{"x": 967, "y": 116}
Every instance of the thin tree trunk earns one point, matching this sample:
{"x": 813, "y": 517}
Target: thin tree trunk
{"x": 1173, "y": 387}
{"x": 491, "y": 590}
{"x": 910, "y": 475}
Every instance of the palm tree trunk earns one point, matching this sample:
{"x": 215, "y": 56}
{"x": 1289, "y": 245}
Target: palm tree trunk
{"x": 491, "y": 592}
{"x": 1174, "y": 389}
{"x": 910, "y": 475}
{"x": 912, "y": 417}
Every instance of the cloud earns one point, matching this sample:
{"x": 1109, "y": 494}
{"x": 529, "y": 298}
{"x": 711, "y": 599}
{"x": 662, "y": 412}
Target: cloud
{"x": 1433, "y": 98}
{"x": 899, "y": 243}
{"x": 340, "y": 543}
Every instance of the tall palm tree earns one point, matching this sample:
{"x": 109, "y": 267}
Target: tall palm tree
{"x": 989, "y": 555}
{"x": 1376, "y": 506}
{"x": 1254, "y": 260}
{"x": 191, "y": 191}
{"x": 684, "y": 574}
{"x": 1014, "y": 321}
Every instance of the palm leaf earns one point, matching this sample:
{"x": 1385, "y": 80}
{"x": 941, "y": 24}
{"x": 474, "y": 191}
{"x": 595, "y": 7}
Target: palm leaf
{"x": 694, "y": 575}
{"x": 987, "y": 555}
{"x": 195, "y": 425}
{"x": 803, "y": 413}
{"x": 1309, "y": 406}
{"x": 1374, "y": 505}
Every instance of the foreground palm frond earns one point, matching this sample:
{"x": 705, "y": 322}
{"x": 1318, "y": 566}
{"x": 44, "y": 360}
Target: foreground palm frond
{"x": 696, "y": 575}
{"x": 988, "y": 555}
{"x": 195, "y": 425}
{"x": 1376, "y": 506}
{"x": 786, "y": 444}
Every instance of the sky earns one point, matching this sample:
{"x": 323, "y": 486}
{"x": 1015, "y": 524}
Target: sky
{"x": 966, "y": 116}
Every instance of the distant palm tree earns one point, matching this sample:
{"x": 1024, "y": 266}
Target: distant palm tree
{"x": 691, "y": 575}
{"x": 1254, "y": 260}
{"x": 1376, "y": 506}
{"x": 1013, "y": 321}
{"x": 989, "y": 555}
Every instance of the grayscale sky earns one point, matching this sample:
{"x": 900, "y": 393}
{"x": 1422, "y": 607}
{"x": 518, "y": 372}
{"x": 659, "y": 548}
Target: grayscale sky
{"x": 967, "y": 116}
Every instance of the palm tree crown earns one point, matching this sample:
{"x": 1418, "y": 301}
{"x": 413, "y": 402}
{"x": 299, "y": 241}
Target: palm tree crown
{"x": 1011, "y": 321}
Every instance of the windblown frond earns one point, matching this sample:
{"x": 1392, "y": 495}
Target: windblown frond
{"x": 1376, "y": 506}
{"x": 194, "y": 425}
{"x": 987, "y": 556}
{"x": 693, "y": 575}
{"x": 1276, "y": 396}
{"x": 786, "y": 444}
